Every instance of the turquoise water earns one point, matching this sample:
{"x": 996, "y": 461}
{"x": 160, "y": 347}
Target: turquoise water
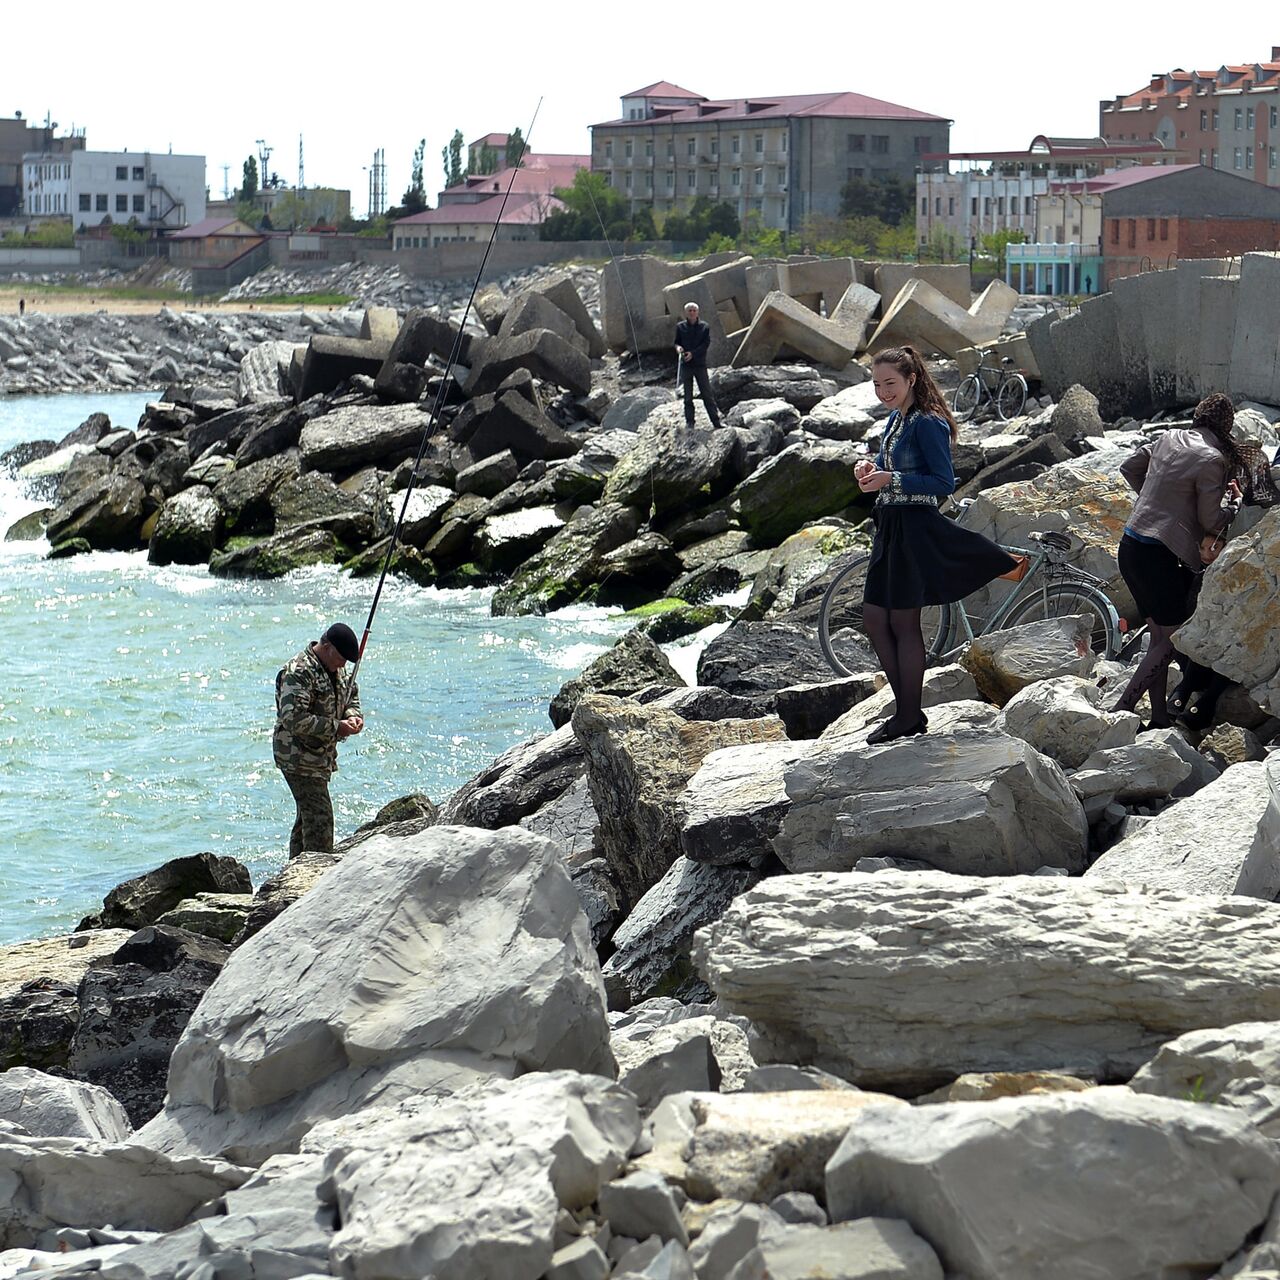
{"x": 137, "y": 703}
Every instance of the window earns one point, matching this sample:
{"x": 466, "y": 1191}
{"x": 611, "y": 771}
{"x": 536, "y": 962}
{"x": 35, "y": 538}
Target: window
{"x": 715, "y": 146}
{"x": 1115, "y": 230}
{"x": 735, "y": 178}
{"x": 1204, "y": 120}
{"x": 735, "y": 145}
{"x": 1164, "y": 228}
{"x": 782, "y": 179}
{"x": 100, "y": 202}
{"x": 784, "y": 136}
{"x": 1000, "y": 205}
{"x": 1237, "y": 159}
{"x": 757, "y": 176}
{"x": 671, "y": 180}
{"x": 1213, "y": 158}
{"x": 951, "y": 206}
{"x": 857, "y": 142}
{"x": 648, "y": 146}
{"x": 924, "y": 204}
{"x": 1248, "y": 157}
{"x": 1248, "y": 117}
{"x": 122, "y": 173}
{"x": 648, "y": 182}
{"x": 1202, "y": 155}
{"x": 1271, "y": 158}
{"x": 628, "y": 148}
{"x": 122, "y": 204}
{"x": 1028, "y": 207}
{"x": 691, "y": 179}
{"x": 1133, "y": 233}
{"x": 691, "y": 147}
{"x": 608, "y": 150}
{"x": 1214, "y": 126}
{"x": 854, "y": 173}
{"x": 986, "y": 206}
{"x": 1239, "y": 118}
{"x": 937, "y": 205}
{"x": 759, "y": 144}
{"x": 923, "y": 143}
{"x": 608, "y": 179}
{"x": 973, "y": 207}
{"x": 671, "y": 148}
{"x": 1151, "y": 228}
{"x": 139, "y": 173}
{"x": 626, "y": 182}
{"x": 880, "y": 143}
{"x": 1275, "y": 117}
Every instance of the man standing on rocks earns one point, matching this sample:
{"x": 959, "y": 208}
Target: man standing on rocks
{"x": 693, "y": 338}
{"x": 317, "y": 705}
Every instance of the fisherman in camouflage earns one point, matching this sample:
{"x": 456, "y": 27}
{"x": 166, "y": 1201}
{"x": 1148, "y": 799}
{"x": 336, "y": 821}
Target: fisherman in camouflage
{"x": 317, "y": 705}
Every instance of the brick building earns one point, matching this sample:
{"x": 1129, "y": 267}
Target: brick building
{"x": 781, "y": 158}
{"x": 1152, "y": 217}
{"x": 1225, "y": 119}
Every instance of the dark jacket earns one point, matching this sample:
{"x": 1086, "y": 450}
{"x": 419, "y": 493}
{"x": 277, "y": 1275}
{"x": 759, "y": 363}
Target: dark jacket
{"x": 918, "y": 453}
{"x": 695, "y": 339}
{"x": 1181, "y": 481}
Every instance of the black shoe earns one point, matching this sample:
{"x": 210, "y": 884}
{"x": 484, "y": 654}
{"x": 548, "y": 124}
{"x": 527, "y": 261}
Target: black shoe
{"x": 885, "y": 734}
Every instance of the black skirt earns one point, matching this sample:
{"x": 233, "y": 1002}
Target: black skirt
{"x": 1163, "y": 588}
{"x": 920, "y": 558}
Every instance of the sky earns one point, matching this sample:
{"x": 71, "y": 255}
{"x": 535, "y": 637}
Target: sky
{"x": 350, "y": 79}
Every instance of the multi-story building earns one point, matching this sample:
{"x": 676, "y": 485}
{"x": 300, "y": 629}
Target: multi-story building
{"x": 468, "y": 210}
{"x": 97, "y": 187}
{"x": 17, "y": 138}
{"x": 1224, "y": 119}
{"x": 781, "y": 158}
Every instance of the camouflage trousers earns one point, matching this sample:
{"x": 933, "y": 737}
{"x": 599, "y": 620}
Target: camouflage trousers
{"x": 313, "y": 827}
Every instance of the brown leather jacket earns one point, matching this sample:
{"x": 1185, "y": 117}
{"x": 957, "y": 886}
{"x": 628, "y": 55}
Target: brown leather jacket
{"x": 1181, "y": 480}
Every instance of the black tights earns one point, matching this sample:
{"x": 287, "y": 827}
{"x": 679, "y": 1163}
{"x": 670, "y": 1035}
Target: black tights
{"x": 899, "y": 644}
{"x": 1152, "y": 675}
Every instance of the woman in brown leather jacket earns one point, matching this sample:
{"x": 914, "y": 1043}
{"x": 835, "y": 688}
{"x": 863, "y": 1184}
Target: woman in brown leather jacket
{"x": 1186, "y": 499}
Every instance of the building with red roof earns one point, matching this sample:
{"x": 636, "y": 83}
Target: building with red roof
{"x": 469, "y": 210}
{"x": 782, "y": 158}
{"x": 1225, "y": 119}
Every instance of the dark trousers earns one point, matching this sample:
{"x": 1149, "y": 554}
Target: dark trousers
{"x": 313, "y": 827}
{"x": 689, "y": 373}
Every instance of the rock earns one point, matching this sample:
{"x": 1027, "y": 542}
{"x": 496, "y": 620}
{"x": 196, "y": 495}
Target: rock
{"x": 798, "y": 384}
{"x": 799, "y": 560}
{"x": 630, "y": 410}
{"x": 581, "y": 1260}
{"x": 220, "y": 916}
{"x": 753, "y": 1146}
{"x": 312, "y": 498}
{"x": 799, "y": 1208}
{"x": 1236, "y": 1066}
{"x": 518, "y": 783}
{"x": 355, "y": 435}
{"x": 489, "y": 476}
{"x": 187, "y": 530}
{"x": 1099, "y": 1205}
{"x": 145, "y": 898}
{"x": 804, "y": 482}
{"x": 653, "y": 1260}
{"x": 264, "y": 372}
{"x": 638, "y": 761}
{"x": 807, "y": 709}
{"x": 1102, "y": 973}
{"x": 415, "y": 964}
{"x": 633, "y": 664}
{"x": 973, "y": 802}
{"x": 983, "y": 1086}
{"x": 1223, "y": 840}
{"x": 755, "y": 658}
{"x": 274, "y": 556}
{"x": 651, "y": 946}
{"x": 272, "y": 435}
{"x": 59, "y": 960}
{"x": 945, "y": 688}
{"x": 641, "y": 1205}
{"x": 1063, "y": 718}
{"x": 132, "y": 1013}
{"x": 1228, "y": 744}
{"x": 784, "y": 1078}
{"x": 107, "y": 514}
{"x": 47, "y": 1106}
{"x": 843, "y": 416}
{"x": 29, "y": 528}
{"x": 1076, "y": 414}
{"x": 71, "y": 1182}
{"x": 245, "y": 494}
{"x": 570, "y": 820}
{"x": 669, "y": 466}
{"x": 1004, "y": 662}
{"x": 546, "y": 356}
{"x": 1148, "y": 769}
{"x": 499, "y": 1161}
{"x": 880, "y": 1248}
{"x": 514, "y": 425}
{"x": 283, "y": 889}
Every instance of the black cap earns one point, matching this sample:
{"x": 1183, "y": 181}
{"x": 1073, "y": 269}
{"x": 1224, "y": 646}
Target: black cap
{"x": 344, "y": 640}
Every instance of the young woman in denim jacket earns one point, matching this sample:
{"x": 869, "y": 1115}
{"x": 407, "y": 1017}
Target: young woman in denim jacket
{"x": 919, "y": 557}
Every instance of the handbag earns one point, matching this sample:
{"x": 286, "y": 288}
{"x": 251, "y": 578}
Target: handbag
{"x": 1019, "y": 571}
{"x": 1259, "y": 484}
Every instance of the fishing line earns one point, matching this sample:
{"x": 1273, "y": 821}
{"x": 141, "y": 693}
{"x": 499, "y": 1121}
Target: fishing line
{"x": 441, "y": 394}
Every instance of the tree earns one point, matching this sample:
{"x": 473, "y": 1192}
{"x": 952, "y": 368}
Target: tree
{"x": 889, "y": 198}
{"x": 415, "y": 196}
{"x": 995, "y": 246}
{"x": 589, "y": 202}
{"x": 249, "y": 186}
{"x": 487, "y": 161}
{"x": 452, "y": 157}
{"x": 701, "y": 220}
{"x": 515, "y": 147}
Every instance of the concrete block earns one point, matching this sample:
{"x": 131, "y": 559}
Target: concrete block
{"x": 1187, "y": 368}
{"x": 514, "y": 425}
{"x": 702, "y": 290}
{"x": 1015, "y": 348}
{"x": 564, "y": 294}
{"x": 1158, "y": 296}
{"x": 538, "y": 350}
{"x": 331, "y": 361}
{"x": 1087, "y": 351}
{"x": 992, "y": 308}
{"x": 1219, "y": 296}
{"x": 1133, "y": 345}
{"x": 1255, "y": 351}
{"x": 923, "y": 317}
{"x": 631, "y": 297}
{"x": 818, "y": 283}
{"x": 534, "y": 311}
{"x": 381, "y": 324}
{"x": 1044, "y": 348}
{"x": 762, "y": 280}
{"x": 784, "y": 321}
{"x": 952, "y": 280}
{"x": 855, "y": 311}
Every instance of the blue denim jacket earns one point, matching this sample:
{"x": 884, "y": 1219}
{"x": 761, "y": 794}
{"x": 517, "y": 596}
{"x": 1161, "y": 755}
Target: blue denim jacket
{"x": 918, "y": 453}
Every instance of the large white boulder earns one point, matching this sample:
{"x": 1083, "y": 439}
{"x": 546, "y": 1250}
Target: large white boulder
{"x": 1005, "y": 662}
{"x": 52, "y": 1107}
{"x": 1105, "y": 1184}
{"x": 905, "y": 980}
{"x": 416, "y": 964}
{"x": 1063, "y": 718}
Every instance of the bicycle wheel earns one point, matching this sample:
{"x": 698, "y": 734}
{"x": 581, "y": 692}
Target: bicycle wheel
{"x": 1061, "y": 600}
{"x": 840, "y": 630}
{"x": 1012, "y": 397}
{"x": 967, "y": 398}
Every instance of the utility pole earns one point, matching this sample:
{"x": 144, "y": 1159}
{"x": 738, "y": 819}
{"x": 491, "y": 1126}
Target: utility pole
{"x": 302, "y": 182}
{"x": 226, "y": 182}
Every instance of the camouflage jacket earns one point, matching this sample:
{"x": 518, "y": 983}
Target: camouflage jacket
{"x": 308, "y": 698}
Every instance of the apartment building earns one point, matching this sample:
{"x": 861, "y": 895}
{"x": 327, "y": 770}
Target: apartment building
{"x": 18, "y": 137}
{"x": 1227, "y": 119}
{"x": 781, "y": 158}
{"x": 92, "y": 187}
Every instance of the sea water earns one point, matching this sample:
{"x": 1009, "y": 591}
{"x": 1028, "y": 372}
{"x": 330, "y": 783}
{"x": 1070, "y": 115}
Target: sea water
{"x": 136, "y": 703}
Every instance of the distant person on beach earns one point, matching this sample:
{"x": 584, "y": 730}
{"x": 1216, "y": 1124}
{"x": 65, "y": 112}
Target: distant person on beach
{"x": 22, "y": 306}
{"x": 693, "y": 338}
{"x": 317, "y": 706}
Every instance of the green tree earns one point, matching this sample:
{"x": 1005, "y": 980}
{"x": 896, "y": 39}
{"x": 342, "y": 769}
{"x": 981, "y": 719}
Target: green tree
{"x": 515, "y": 147}
{"x": 889, "y": 198}
{"x": 249, "y": 184}
{"x": 995, "y": 246}
{"x": 487, "y": 161}
{"x": 944, "y": 245}
{"x": 589, "y": 202}
{"x": 415, "y": 196}
{"x": 452, "y": 157}
{"x": 702, "y": 219}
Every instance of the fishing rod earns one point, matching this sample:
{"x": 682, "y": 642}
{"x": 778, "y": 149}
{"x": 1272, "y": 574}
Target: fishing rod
{"x": 441, "y": 394}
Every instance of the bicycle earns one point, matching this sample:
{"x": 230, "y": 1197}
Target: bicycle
{"x": 1051, "y": 587}
{"x": 1005, "y": 387}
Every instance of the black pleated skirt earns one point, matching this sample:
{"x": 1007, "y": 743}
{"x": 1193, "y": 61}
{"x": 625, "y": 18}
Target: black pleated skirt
{"x": 919, "y": 558}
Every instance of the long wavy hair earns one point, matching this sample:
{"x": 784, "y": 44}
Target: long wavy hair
{"x": 925, "y": 395}
{"x": 1217, "y": 415}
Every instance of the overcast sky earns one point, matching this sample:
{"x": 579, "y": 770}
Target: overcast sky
{"x": 211, "y": 80}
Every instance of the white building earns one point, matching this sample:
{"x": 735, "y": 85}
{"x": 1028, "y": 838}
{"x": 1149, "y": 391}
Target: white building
{"x": 90, "y": 187}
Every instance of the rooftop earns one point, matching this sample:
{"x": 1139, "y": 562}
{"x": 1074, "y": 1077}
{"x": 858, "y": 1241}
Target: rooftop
{"x": 527, "y": 208}
{"x": 213, "y": 227}
{"x": 1124, "y": 178}
{"x": 852, "y": 106}
{"x": 663, "y": 89}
